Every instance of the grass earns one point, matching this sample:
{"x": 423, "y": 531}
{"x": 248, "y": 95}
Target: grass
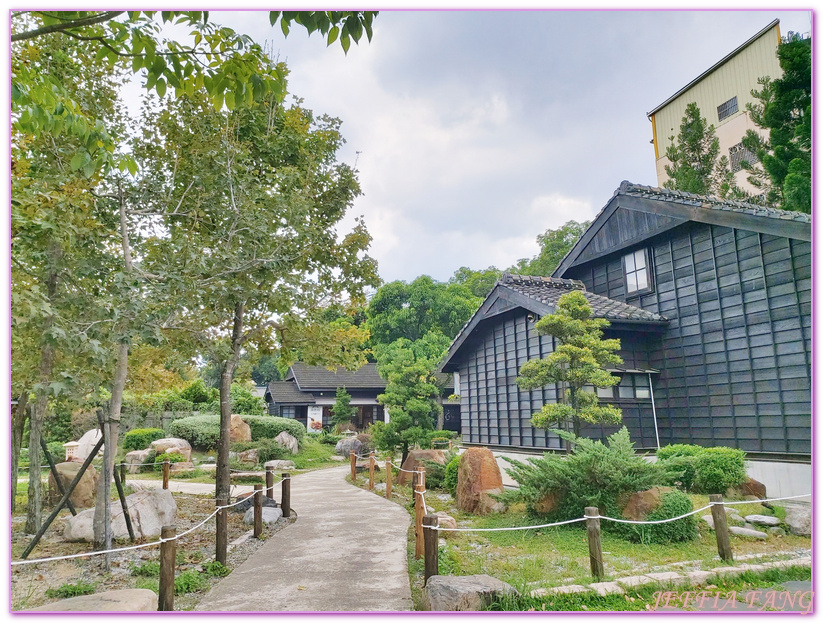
{"x": 66, "y": 591}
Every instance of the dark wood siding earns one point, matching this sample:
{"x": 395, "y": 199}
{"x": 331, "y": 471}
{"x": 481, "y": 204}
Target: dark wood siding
{"x": 495, "y": 411}
{"x": 735, "y": 359}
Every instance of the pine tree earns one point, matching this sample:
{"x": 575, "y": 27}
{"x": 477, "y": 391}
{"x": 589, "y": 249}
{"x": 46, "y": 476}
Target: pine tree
{"x": 342, "y": 412}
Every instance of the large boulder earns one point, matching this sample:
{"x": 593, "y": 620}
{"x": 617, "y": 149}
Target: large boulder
{"x": 248, "y": 502}
{"x": 182, "y": 466}
{"x": 148, "y": 510}
{"x": 763, "y": 520}
{"x": 287, "y": 441}
{"x": 135, "y": 459}
{"x": 86, "y": 444}
{"x": 346, "y": 445}
{"x": 249, "y": 457}
{"x": 446, "y": 521}
{"x": 170, "y": 445}
{"x": 270, "y": 515}
{"x": 799, "y": 520}
{"x": 478, "y": 476}
{"x": 124, "y": 600}
{"x": 749, "y": 488}
{"x": 278, "y": 464}
{"x": 238, "y": 429}
{"x": 641, "y": 504}
{"x": 415, "y": 459}
{"x": 449, "y": 593}
{"x": 84, "y": 493}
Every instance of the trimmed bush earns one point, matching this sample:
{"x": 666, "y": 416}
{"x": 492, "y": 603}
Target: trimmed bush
{"x": 267, "y": 450}
{"x": 197, "y": 393}
{"x": 672, "y": 504}
{"x": 174, "y": 457}
{"x": 717, "y": 469}
{"x": 269, "y": 426}
{"x": 57, "y": 451}
{"x": 203, "y": 431}
{"x": 450, "y": 475}
{"x": 141, "y": 438}
{"x": 677, "y": 462}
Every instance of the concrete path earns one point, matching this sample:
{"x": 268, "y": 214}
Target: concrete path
{"x": 345, "y": 552}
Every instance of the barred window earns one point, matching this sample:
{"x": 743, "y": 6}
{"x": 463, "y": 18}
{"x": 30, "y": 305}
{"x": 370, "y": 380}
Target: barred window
{"x": 636, "y": 272}
{"x": 727, "y": 109}
{"x": 737, "y": 154}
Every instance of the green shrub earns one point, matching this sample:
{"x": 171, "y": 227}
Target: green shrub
{"x": 677, "y": 462}
{"x": 450, "y": 475}
{"x": 57, "y": 427}
{"x": 327, "y": 438}
{"x": 141, "y": 438}
{"x": 368, "y": 443}
{"x": 435, "y": 475}
{"x": 203, "y": 431}
{"x": 672, "y": 504}
{"x": 593, "y": 474}
{"x": 150, "y": 569}
{"x": 173, "y": 457}
{"x": 269, "y": 426}
{"x": 267, "y": 449}
{"x": 197, "y": 393}
{"x": 148, "y": 464}
{"x": 70, "y": 590}
{"x": 189, "y": 581}
{"x": 717, "y": 469}
{"x": 57, "y": 451}
{"x": 216, "y": 569}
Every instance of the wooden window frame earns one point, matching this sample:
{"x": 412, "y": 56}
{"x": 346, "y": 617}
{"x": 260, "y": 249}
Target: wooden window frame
{"x": 649, "y": 274}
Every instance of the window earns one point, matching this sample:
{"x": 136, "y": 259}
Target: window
{"x": 737, "y": 154}
{"x": 288, "y": 412}
{"x": 631, "y": 387}
{"x": 636, "y": 270}
{"x": 726, "y": 109}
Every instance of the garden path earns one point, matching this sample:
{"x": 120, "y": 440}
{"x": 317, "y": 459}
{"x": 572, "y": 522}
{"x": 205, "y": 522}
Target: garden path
{"x": 347, "y": 551}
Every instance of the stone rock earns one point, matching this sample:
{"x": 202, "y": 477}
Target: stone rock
{"x": 287, "y": 441}
{"x": 169, "y": 445}
{"x": 709, "y": 520}
{"x": 735, "y": 520}
{"x": 84, "y": 493}
{"x": 640, "y": 504}
{"x": 799, "y": 520}
{"x": 746, "y": 532}
{"x": 249, "y": 457}
{"x": 278, "y": 464}
{"x": 248, "y": 502}
{"x": 478, "y": 476}
{"x": 698, "y": 578}
{"x": 210, "y": 459}
{"x": 270, "y": 515}
{"x": 749, "y": 488}
{"x": 337, "y": 457}
{"x": 634, "y": 580}
{"x": 238, "y": 429}
{"x": 777, "y": 531}
{"x": 607, "y": 588}
{"x": 415, "y": 459}
{"x": 125, "y": 600}
{"x": 182, "y": 466}
{"x": 135, "y": 460}
{"x": 667, "y": 577}
{"x": 466, "y": 593}
{"x": 569, "y": 588}
{"x": 446, "y": 521}
{"x": 149, "y": 511}
{"x": 346, "y": 445}
{"x": 763, "y": 520}
{"x": 86, "y": 444}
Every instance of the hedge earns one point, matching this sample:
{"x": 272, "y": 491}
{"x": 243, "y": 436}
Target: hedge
{"x": 702, "y": 470}
{"x": 672, "y": 504}
{"x": 203, "y": 431}
{"x": 141, "y": 438}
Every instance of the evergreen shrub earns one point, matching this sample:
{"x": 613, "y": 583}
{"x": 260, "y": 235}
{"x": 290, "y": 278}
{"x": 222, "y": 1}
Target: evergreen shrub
{"x": 672, "y": 504}
{"x": 717, "y": 469}
{"x": 203, "y": 431}
{"x": 450, "y": 475}
{"x": 677, "y": 462}
{"x": 141, "y": 438}
{"x": 171, "y": 457}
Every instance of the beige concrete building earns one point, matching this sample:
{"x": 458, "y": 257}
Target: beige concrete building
{"x": 721, "y": 93}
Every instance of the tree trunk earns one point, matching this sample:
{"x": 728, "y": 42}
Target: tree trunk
{"x": 223, "y": 477}
{"x": 18, "y": 424}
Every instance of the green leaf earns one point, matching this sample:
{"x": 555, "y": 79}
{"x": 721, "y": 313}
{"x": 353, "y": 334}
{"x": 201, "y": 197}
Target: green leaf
{"x": 332, "y": 35}
{"x": 80, "y": 159}
{"x": 160, "y": 87}
{"x": 346, "y": 43}
{"x": 273, "y": 15}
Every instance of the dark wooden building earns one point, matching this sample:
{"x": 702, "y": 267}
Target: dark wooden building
{"x": 712, "y": 302}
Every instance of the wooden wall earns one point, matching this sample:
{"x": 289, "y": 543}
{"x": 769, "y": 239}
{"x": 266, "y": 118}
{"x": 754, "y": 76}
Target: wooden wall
{"x": 736, "y": 357}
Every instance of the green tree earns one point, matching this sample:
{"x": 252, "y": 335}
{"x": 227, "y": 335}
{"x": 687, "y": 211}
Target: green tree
{"x": 554, "y": 245}
{"x": 578, "y": 360}
{"x": 265, "y": 370}
{"x": 412, "y": 390}
{"x": 410, "y": 310}
{"x": 342, "y": 412}
{"x": 479, "y": 282}
{"x": 693, "y": 154}
{"x": 784, "y": 110}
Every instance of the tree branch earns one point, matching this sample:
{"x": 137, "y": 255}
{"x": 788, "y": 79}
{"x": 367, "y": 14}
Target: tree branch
{"x": 44, "y": 30}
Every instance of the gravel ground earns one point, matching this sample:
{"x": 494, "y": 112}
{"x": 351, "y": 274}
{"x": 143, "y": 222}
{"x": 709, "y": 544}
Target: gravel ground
{"x": 29, "y": 583}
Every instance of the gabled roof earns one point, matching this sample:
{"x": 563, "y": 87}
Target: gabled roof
{"x": 664, "y": 209}
{"x": 540, "y": 295}
{"x": 315, "y": 378}
{"x": 286, "y": 392}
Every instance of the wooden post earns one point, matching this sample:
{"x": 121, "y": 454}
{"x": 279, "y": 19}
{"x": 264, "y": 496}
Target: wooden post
{"x": 388, "y": 479}
{"x": 168, "y": 553}
{"x": 222, "y": 542}
{"x": 258, "y": 511}
{"x": 123, "y": 474}
{"x": 270, "y": 483}
{"x": 721, "y": 528}
{"x": 285, "y": 499}
{"x": 371, "y": 470}
{"x": 353, "y": 467}
{"x": 122, "y": 495}
{"x": 166, "y": 466}
{"x": 58, "y": 481}
{"x": 595, "y": 549}
{"x": 450, "y": 445}
{"x": 419, "y": 512}
{"x": 431, "y": 547}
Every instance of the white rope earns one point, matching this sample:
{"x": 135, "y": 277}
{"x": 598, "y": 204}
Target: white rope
{"x": 656, "y": 521}
{"x": 758, "y": 501}
{"x": 403, "y": 470}
{"x": 548, "y": 525}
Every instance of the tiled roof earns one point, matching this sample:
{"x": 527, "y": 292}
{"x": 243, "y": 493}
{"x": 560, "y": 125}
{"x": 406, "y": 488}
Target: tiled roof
{"x": 711, "y": 203}
{"x": 286, "y": 392}
{"x": 317, "y": 377}
{"x": 548, "y": 290}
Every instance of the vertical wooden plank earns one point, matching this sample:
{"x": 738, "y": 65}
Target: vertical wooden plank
{"x": 593, "y": 535}
{"x": 123, "y": 473}
{"x": 389, "y": 476}
{"x": 122, "y": 495}
{"x": 721, "y": 528}
{"x": 285, "y": 499}
{"x": 166, "y": 466}
{"x": 419, "y": 512}
{"x": 258, "y": 511}
{"x": 353, "y": 467}
{"x": 270, "y": 483}
{"x": 371, "y": 470}
{"x": 222, "y": 541}
{"x": 57, "y": 480}
{"x": 431, "y": 547}
{"x": 168, "y": 553}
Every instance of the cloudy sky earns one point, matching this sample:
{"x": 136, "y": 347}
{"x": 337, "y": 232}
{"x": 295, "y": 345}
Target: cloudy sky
{"x": 474, "y": 131}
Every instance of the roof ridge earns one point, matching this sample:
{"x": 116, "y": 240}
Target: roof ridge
{"x": 555, "y": 282}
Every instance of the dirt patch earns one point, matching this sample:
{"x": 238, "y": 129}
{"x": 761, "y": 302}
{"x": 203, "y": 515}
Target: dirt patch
{"x": 29, "y": 583}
